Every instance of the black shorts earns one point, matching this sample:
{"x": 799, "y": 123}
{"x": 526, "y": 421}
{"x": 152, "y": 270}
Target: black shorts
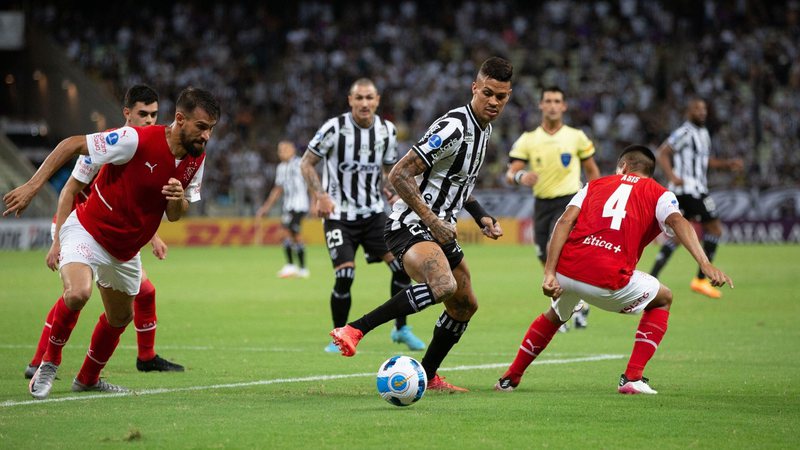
{"x": 400, "y": 240}
{"x": 344, "y": 237}
{"x": 547, "y": 212}
{"x": 291, "y": 220}
{"x": 701, "y": 209}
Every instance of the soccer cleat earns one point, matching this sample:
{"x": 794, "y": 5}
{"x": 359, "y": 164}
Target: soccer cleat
{"x": 581, "y": 320}
{"x": 346, "y": 338}
{"x": 288, "y": 271}
{"x": 331, "y": 348}
{"x": 438, "y": 384}
{"x": 505, "y": 384}
{"x": 42, "y": 380}
{"x": 30, "y": 370}
{"x": 158, "y": 364}
{"x": 405, "y": 336}
{"x": 303, "y": 273}
{"x": 100, "y": 386}
{"x": 640, "y": 386}
{"x": 703, "y": 286}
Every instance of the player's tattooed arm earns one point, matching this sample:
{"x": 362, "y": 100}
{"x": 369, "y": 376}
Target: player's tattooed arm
{"x": 389, "y": 190}
{"x": 323, "y": 204}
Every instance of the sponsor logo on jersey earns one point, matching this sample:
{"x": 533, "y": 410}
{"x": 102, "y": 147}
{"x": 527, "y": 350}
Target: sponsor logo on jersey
{"x": 99, "y": 144}
{"x": 598, "y": 241}
{"x": 355, "y": 166}
{"x": 434, "y": 141}
{"x": 112, "y": 138}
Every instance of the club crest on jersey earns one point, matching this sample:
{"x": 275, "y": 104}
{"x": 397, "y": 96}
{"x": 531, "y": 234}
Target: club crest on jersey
{"x": 565, "y": 159}
{"x": 434, "y": 141}
{"x": 112, "y": 138}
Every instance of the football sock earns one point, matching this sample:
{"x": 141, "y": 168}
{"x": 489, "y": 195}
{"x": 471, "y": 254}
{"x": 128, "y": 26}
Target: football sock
{"x": 340, "y": 297}
{"x": 64, "y": 320}
{"x": 710, "y": 243}
{"x": 41, "y": 347}
{"x": 300, "y": 249}
{"x": 652, "y": 327}
{"x": 104, "y": 341}
{"x": 287, "y": 248}
{"x": 144, "y": 320}
{"x": 535, "y": 341}
{"x": 408, "y": 301}
{"x": 445, "y": 335}
{"x": 400, "y": 282}
{"x": 663, "y": 257}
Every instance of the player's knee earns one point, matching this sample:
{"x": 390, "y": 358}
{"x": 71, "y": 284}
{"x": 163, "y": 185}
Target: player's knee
{"x": 344, "y": 280}
{"x": 663, "y": 298}
{"x": 75, "y": 297}
{"x": 443, "y": 287}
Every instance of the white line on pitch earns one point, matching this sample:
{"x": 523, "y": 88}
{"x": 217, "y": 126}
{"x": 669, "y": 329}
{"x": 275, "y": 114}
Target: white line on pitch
{"x": 9, "y": 403}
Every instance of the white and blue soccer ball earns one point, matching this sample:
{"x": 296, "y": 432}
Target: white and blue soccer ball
{"x": 401, "y": 380}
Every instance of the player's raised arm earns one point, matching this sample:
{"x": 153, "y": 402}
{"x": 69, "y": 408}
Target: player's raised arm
{"x": 18, "y": 199}
{"x": 685, "y": 233}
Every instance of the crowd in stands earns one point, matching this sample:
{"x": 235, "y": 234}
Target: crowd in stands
{"x": 627, "y": 67}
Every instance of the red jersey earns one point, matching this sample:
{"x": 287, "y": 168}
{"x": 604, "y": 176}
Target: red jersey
{"x": 126, "y": 206}
{"x": 619, "y": 216}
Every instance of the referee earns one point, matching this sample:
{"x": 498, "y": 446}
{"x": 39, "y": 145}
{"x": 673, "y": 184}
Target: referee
{"x": 553, "y": 155}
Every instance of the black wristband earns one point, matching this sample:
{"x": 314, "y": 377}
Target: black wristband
{"x": 477, "y": 212}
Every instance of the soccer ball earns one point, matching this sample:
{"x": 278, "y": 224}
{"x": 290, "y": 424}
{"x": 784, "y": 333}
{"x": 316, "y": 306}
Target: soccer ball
{"x": 401, "y": 380}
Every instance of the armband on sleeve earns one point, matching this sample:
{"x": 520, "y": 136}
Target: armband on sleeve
{"x": 477, "y": 212}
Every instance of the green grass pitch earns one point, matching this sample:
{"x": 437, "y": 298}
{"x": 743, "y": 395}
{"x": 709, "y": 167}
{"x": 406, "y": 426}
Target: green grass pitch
{"x": 727, "y": 370}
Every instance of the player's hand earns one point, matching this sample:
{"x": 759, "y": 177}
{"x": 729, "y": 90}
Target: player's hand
{"x": 53, "y": 255}
{"x": 443, "y": 232}
{"x": 325, "y": 205}
{"x": 159, "y": 247}
{"x": 529, "y": 179}
{"x": 735, "y": 164}
{"x": 491, "y": 229}
{"x": 17, "y": 200}
{"x": 551, "y": 286}
{"x": 677, "y": 181}
{"x": 173, "y": 190}
{"x": 716, "y": 277}
{"x": 260, "y": 213}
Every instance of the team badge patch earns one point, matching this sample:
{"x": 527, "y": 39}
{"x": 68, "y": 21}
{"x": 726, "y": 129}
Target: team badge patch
{"x": 434, "y": 141}
{"x": 565, "y": 159}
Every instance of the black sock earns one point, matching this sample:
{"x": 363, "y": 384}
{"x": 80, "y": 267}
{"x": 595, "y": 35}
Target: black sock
{"x": 445, "y": 335}
{"x": 287, "y": 248}
{"x": 710, "y": 243}
{"x": 301, "y": 255}
{"x": 400, "y": 282}
{"x": 340, "y": 297}
{"x": 662, "y": 258}
{"x": 408, "y": 301}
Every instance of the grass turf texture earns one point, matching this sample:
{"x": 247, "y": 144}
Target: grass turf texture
{"x": 726, "y": 372}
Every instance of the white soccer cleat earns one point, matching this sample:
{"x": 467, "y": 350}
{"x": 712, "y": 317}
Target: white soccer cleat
{"x": 42, "y": 381}
{"x": 303, "y": 273}
{"x": 288, "y": 271}
{"x": 640, "y": 386}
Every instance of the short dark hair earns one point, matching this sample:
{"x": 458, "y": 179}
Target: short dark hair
{"x": 639, "y": 158}
{"x": 361, "y": 82}
{"x": 139, "y": 93}
{"x": 192, "y": 98}
{"x": 497, "y": 68}
{"x": 552, "y": 89}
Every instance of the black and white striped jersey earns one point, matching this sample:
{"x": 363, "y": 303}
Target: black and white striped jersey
{"x": 353, "y": 160}
{"x": 453, "y": 148}
{"x": 691, "y": 147}
{"x": 295, "y": 193}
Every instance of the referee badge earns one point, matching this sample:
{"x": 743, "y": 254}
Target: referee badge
{"x": 565, "y": 159}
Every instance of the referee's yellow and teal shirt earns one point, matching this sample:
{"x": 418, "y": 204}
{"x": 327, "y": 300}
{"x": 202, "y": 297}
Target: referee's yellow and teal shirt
{"x": 555, "y": 157}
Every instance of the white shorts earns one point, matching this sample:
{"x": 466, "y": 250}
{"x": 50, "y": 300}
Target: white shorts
{"x": 630, "y": 299}
{"x": 78, "y": 246}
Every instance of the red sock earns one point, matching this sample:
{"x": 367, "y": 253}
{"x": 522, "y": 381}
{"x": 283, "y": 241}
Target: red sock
{"x": 104, "y": 341}
{"x": 534, "y": 342}
{"x": 64, "y": 320}
{"x": 45, "y": 337}
{"x": 651, "y": 330}
{"x": 144, "y": 320}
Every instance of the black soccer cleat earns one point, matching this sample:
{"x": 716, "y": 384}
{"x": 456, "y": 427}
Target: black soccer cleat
{"x": 30, "y": 370}
{"x": 158, "y": 364}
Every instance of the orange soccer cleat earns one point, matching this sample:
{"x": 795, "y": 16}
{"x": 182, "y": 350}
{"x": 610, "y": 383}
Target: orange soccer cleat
{"x": 438, "y": 384}
{"x": 703, "y": 286}
{"x": 346, "y": 338}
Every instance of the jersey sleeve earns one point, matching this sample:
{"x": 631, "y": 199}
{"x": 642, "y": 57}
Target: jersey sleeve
{"x": 519, "y": 150}
{"x": 577, "y": 199}
{"x": 193, "y": 189}
{"x": 443, "y": 139}
{"x": 585, "y": 146}
{"x": 281, "y": 174}
{"x": 85, "y": 170}
{"x": 667, "y": 205}
{"x": 324, "y": 139}
{"x": 112, "y": 147}
{"x": 390, "y": 154}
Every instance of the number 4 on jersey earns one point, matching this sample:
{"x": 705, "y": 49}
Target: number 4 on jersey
{"x": 615, "y": 205}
